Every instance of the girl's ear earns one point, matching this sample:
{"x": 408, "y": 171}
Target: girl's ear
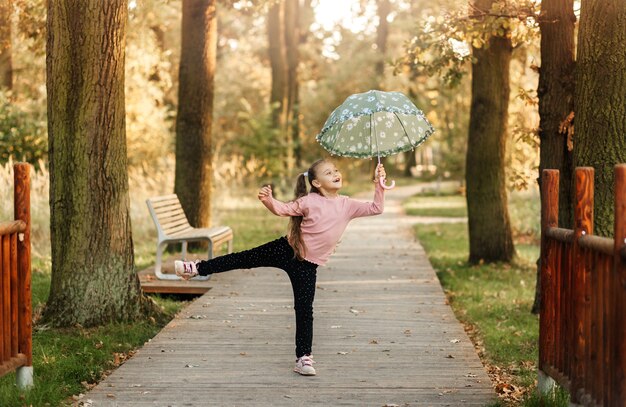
{"x": 316, "y": 183}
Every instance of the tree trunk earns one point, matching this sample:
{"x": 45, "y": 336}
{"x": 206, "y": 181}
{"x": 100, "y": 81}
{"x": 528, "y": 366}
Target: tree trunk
{"x": 556, "y": 101}
{"x": 409, "y": 162}
{"x": 194, "y": 166}
{"x": 6, "y": 58}
{"x": 488, "y": 218}
{"x": 292, "y": 41}
{"x": 93, "y": 275}
{"x": 382, "y": 33}
{"x": 600, "y": 106}
{"x": 283, "y": 39}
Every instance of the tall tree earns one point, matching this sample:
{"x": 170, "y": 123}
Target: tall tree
{"x": 194, "y": 167}
{"x": 600, "y": 100}
{"x": 556, "y": 102}
{"x": 490, "y": 235}
{"x": 382, "y": 33}
{"x": 292, "y": 41}
{"x": 93, "y": 275}
{"x": 6, "y": 57}
{"x": 283, "y": 39}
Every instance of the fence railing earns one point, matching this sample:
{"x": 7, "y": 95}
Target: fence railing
{"x": 15, "y": 284}
{"x": 582, "y": 330}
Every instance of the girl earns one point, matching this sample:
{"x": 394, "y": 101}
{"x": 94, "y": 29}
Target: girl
{"x": 318, "y": 219}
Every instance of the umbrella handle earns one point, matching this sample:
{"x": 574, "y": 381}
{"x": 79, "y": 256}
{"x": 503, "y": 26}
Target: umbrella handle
{"x": 382, "y": 184}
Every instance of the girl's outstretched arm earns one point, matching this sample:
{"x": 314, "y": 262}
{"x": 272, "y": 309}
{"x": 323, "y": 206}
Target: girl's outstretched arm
{"x": 277, "y": 207}
{"x": 359, "y": 209}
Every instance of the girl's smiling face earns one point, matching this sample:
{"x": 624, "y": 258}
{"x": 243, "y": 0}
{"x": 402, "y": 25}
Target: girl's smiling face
{"x": 328, "y": 179}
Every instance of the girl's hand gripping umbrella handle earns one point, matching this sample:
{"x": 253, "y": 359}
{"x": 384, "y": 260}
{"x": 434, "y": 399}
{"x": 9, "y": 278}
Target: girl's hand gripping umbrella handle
{"x": 382, "y": 176}
{"x": 382, "y": 183}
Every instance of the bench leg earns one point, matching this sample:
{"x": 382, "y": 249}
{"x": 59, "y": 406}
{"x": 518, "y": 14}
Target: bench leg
{"x": 184, "y": 251}
{"x": 157, "y": 267}
{"x": 210, "y": 253}
{"x": 230, "y": 246}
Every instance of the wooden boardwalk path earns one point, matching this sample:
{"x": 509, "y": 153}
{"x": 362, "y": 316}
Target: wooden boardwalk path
{"x": 384, "y": 335}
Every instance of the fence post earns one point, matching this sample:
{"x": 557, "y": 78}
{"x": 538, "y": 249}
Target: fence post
{"x": 583, "y": 225}
{"x": 617, "y": 292}
{"x": 21, "y": 195}
{"x": 549, "y": 218}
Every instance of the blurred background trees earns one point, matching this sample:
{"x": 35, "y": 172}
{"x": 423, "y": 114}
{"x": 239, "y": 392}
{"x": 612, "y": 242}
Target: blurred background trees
{"x": 334, "y": 50}
{"x": 239, "y": 102}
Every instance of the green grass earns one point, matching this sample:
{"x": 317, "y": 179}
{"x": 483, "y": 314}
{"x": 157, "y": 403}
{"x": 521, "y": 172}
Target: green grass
{"x": 67, "y": 362}
{"x": 452, "y": 206}
{"x": 494, "y": 300}
{"x": 253, "y": 226}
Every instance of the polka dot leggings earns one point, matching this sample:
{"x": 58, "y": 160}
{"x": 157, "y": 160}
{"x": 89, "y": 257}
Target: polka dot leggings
{"x": 279, "y": 254}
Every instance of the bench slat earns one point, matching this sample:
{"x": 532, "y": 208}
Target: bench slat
{"x": 169, "y": 205}
{"x": 170, "y": 226}
{"x": 173, "y": 226}
{"x": 219, "y": 232}
{"x": 178, "y": 229}
{"x": 168, "y": 217}
{"x": 163, "y": 198}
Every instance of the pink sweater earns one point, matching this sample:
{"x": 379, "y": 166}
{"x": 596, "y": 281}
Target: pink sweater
{"x": 325, "y": 219}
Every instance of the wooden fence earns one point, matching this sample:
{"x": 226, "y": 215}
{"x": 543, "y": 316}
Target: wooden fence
{"x": 15, "y": 285}
{"x": 582, "y": 331}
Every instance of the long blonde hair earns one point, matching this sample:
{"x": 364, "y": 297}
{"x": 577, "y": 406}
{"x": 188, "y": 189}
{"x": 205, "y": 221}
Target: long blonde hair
{"x": 295, "y": 232}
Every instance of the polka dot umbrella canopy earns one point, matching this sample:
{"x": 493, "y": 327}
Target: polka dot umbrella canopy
{"x": 374, "y": 124}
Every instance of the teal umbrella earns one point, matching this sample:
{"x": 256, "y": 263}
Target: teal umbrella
{"x": 374, "y": 124}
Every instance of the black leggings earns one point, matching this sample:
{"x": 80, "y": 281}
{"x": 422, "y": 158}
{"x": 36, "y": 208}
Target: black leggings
{"x": 279, "y": 254}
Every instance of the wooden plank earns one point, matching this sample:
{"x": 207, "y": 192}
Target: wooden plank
{"x": 170, "y": 216}
{"x": 583, "y": 221}
{"x": 16, "y": 226}
{"x": 151, "y": 284}
{"x": 13, "y": 363}
{"x": 21, "y": 194}
{"x": 4, "y": 335}
{"x": 617, "y": 294}
{"x": 383, "y": 334}
{"x": 163, "y": 198}
{"x": 13, "y": 283}
{"x": 6, "y": 296}
{"x": 549, "y": 219}
{"x": 169, "y": 201}
{"x": 165, "y": 210}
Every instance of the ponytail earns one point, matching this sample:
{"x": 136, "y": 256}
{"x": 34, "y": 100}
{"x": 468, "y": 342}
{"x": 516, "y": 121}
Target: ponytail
{"x": 295, "y": 233}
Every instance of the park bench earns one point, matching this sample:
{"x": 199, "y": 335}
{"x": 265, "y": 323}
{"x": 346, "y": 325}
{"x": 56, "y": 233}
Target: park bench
{"x": 15, "y": 285}
{"x": 173, "y": 227}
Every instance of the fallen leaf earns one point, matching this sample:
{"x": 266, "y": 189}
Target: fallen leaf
{"x": 342, "y": 353}
{"x": 374, "y": 342}
{"x": 455, "y": 341}
{"x": 449, "y": 357}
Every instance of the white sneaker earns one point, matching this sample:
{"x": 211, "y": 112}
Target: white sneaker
{"x": 304, "y": 366}
{"x": 186, "y": 269}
